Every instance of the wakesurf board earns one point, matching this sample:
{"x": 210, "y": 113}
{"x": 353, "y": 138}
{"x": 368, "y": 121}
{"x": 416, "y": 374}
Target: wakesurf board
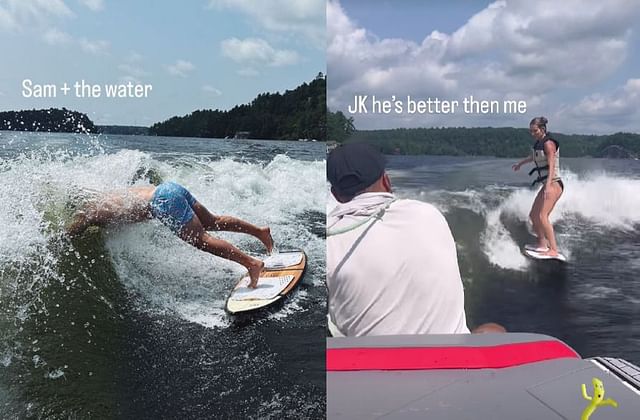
{"x": 537, "y": 255}
{"x": 281, "y": 274}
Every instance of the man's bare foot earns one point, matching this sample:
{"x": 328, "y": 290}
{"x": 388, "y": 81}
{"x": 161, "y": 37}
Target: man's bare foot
{"x": 265, "y": 237}
{"x": 255, "y": 268}
{"x": 551, "y": 253}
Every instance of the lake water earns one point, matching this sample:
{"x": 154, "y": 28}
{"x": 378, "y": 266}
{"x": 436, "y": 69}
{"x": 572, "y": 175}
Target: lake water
{"x": 128, "y": 321}
{"x": 593, "y": 302}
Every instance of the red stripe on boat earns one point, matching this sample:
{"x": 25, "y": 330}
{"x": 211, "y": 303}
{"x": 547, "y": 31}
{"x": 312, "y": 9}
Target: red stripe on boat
{"x": 416, "y": 358}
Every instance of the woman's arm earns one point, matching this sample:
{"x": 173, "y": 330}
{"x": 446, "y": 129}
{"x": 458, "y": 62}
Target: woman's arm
{"x": 522, "y": 162}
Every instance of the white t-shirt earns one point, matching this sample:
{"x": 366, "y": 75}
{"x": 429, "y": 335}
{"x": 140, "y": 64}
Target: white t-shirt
{"x": 396, "y": 273}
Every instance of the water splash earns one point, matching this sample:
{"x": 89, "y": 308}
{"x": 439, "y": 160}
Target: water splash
{"x": 172, "y": 276}
{"x": 595, "y": 202}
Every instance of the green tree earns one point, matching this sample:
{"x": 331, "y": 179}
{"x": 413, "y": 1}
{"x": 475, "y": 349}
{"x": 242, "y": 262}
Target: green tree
{"x": 339, "y": 127}
{"x": 49, "y": 120}
{"x": 294, "y": 114}
{"x": 489, "y": 141}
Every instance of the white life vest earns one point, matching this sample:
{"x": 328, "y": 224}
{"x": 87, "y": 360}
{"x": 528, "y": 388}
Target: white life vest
{"x": 542, "y": 163}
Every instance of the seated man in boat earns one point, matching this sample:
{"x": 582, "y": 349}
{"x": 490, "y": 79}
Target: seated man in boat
{"x": 392, "y": 266}
{"x": 175, "y": 207}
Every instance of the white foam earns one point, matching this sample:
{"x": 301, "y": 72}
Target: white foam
{"x": 207, "y": 314}
{"x": 6, "y": 358}
{"x": 168, "y": 274}
{"x": 467, "y": 199}
{"x": 498, "y": 245}
{"x": 292, "y": 305}
{"x": 34, "y": 185}
{"x": 597, "y": 292}
{"x": 603, "y": 200}
{"x": 55, "y": 374}
{"x": 172, "y": 276}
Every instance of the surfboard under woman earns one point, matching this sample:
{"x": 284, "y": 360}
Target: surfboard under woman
{"x": 546, "y": 157}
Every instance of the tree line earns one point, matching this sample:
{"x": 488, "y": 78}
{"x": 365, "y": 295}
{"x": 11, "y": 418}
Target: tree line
{"x": 131, "y": 130}
{"x": 48, "y": 120}
{"x": 499, "y": 142}
{"x": 296, "y": 114}
{"x": 339, "y": 127}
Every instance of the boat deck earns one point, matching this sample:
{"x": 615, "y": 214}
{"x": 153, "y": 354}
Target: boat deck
{"x": 509, "y": 376}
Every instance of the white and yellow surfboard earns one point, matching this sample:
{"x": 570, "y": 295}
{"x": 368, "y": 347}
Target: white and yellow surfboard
{"x": 281, "y": 274}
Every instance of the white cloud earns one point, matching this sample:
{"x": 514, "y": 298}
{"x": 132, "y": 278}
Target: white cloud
{"x": 21, "y": 14}
{"x": 94, "y": 47}
{"x": 211, "y": 90}
{"x": 360, "y": 63}
{"x": 510, "y": 50}
{"x": 7, "y": 22}
{"x": 40, "y": 16}
{"x": 257, "y": 51}
{"x": 56, "y": 37}
{"x": 610, "y": 112}
{"x": 180, "y": 68}
{"x": 299, "y": 17}
{"x": 132, "y": 70}
{"x": 520, "y": 42}
{"x": 94, "y": 5}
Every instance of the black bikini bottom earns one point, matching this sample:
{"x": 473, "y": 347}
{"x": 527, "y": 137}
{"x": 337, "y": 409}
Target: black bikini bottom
{"x": 559, "y": 181}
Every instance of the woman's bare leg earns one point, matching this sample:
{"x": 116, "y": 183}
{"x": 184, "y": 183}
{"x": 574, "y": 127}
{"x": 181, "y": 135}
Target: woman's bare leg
{"x": 195, "y": 234}
{"x": 534, "y": 215}
{"x": 554, "y": 195}
{"x": 232, "y": 224}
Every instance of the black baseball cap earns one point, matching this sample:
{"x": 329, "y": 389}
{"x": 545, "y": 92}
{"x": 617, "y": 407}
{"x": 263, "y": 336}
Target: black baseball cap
{"x": 353, "y": 167}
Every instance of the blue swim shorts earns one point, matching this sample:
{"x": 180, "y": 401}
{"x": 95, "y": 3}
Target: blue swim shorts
{"x": 172, "y": 205}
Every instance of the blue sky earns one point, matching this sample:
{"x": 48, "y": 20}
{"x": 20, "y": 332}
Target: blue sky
{"x": 409, "y": 19}
{"x": 575, "y": 62}
{"x": 196, "y": 54}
